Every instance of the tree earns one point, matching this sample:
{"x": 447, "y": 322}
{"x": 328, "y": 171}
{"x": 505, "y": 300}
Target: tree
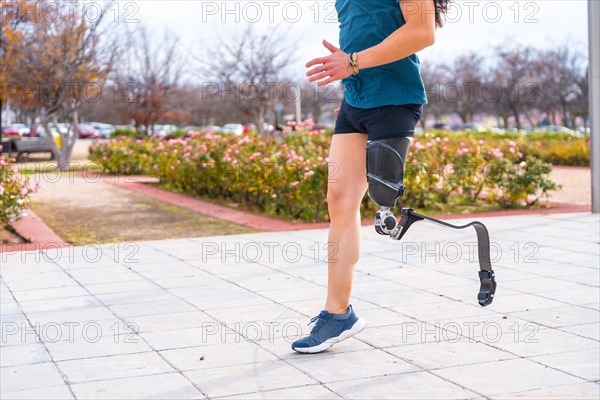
{"x": 247, "y": 70}
{"x": 467, "y": 78}
{"x": 57, "y": 64}
{"x": 559, "y": 69}
{"x": 145, "y": 76}
{"x": 514, "y": 79}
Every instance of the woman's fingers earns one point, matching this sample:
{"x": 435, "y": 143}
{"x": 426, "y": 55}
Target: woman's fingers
{"x": 319, "y": 76}
{"x": 316, "y": 61}
{"x": 336, "y": 111}
{"x": 316, "y": 70}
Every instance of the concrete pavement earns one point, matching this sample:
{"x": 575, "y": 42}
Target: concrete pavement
{"x": 214, "y": 317}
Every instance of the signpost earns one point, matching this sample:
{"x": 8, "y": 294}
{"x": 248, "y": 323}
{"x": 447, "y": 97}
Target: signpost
{"x": 594, "y": 83}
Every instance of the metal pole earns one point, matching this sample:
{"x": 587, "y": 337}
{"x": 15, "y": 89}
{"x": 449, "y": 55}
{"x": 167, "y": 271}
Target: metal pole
{"x": 594, "y": 83}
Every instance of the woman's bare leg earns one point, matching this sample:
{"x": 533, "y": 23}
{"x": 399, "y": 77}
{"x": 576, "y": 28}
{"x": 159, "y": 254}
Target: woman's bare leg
{"x": 345, "y": 190}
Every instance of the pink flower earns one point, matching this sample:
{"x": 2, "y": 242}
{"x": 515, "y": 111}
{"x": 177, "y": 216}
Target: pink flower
{"x": 24, "y": 191}
{"x": 310, "y": 173}
{"x": 512, "y": 150}
{"x": 295, "y": 183}
{"x": 481, "y": 142}
{"x": 274, "y": 196}
{"x": 418, "y": 145}
{"x": 446, "y": 139}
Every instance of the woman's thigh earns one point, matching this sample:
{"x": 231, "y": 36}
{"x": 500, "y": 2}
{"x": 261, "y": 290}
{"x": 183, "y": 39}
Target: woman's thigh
{"x": 347, "y": 181}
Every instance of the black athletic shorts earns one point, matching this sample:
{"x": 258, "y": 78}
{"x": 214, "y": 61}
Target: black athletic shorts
{"x": 390, "y": 121}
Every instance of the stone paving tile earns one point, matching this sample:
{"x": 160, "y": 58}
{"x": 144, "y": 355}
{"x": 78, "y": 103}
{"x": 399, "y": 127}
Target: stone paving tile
{"x": 254, "y": 313}
{"x": 539, "y": 341}
{"x": 163, "y": 322}
{"x": 248, "y": 378}
{"x": 96, "y": 347}
{"x": 210, "y": 334}
{"x": 120, "y": 287}
{"x": 316, "y": 392}
{"x": 33, "y": 353}
{"x": 46, "y": 294}
{"x": 113, "y": 367}
{"x": 32, "y": 376}
{"x": 298, "y": 294}
{"x": 332, "y": 366}
{"x": 506, "y": 376}
{"x": 591, "y": 331}
{"x": 162, "y": 386}
{"x": 558, "y": 316}
{"x": 414, "y": 385}
{"x": 170, "y": 306}
{"x": 451, "y": 353}
{"x": 60, "y": 304}
{"x": 218, "y": 355}
{"x": 584, "y": 364}
{"x": 581, "y": 391}
{"x": 52, "y": 392}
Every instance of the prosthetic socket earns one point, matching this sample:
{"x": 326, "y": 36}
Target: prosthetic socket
{"x": 385, "y": 175}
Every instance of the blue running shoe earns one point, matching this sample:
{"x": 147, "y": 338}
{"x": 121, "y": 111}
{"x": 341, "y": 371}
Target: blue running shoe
{"x": 329, "y": 330}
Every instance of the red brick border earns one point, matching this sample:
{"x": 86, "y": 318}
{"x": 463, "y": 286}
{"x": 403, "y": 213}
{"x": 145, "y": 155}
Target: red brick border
{"x": 34, "y": 229}
{"x": 270, "y": 224}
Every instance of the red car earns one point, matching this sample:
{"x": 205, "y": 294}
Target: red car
{"x": 87, "y": 131}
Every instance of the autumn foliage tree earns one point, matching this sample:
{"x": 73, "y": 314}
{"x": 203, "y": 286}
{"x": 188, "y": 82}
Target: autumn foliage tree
{"x": 54, "y": 62}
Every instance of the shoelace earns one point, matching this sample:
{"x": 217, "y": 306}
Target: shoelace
{"x": 320, "y": 320}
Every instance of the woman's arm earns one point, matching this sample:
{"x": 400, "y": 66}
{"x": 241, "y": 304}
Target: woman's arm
{"x": 417, "y": 33}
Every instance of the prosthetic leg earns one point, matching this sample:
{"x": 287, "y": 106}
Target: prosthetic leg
{"x": 385, "y": 176}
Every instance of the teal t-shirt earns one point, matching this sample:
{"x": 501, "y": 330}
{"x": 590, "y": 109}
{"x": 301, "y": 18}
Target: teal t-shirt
{"x": 366, "y": 23}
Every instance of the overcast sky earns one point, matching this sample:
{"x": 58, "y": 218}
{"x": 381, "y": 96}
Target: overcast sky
{"x": 471, "y": 25}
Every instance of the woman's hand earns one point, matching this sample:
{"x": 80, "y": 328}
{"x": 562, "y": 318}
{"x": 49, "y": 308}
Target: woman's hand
{"x": 331, "y": 68}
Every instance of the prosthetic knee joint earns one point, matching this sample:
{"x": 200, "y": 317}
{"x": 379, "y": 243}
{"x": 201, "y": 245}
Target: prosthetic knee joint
{"x": 385, "y": 175}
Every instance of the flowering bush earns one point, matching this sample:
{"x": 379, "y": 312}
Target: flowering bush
{"x": 286, "y": 176}
{"x": 14, "y": 191}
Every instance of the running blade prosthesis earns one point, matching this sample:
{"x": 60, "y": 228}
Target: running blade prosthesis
{"x": 385, "y": 176}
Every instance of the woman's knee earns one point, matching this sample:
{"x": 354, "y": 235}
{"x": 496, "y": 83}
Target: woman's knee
{"x": 344, "y": 200}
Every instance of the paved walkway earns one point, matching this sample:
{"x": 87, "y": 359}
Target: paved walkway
{"x": 214, "y": 317}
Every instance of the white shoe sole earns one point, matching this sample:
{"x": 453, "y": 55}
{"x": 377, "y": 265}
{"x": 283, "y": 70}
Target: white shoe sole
{"x": 358, "y": 326}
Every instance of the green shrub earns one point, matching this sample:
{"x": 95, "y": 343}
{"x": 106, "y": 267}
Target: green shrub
{"x": 286, "y": 176}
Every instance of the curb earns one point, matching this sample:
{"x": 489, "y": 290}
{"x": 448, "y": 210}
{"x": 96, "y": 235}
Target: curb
{"x": 34, "y": 229}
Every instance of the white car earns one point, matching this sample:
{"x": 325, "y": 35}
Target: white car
{"x": 236, "y": 129}
{"x": 104, "y": 130}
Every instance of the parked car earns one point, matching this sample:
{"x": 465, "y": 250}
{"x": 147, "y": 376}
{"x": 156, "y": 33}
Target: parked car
{"x": 15, "y": 130}
{"x": 191, "y": 128}
{"x": 556, "y": 128}
{"x": 581, "y": 129}
{"x": 267, "y": 128}
{"x": 105, "y": 131}
{"x": 466, "y": 127}
{"x": 87, "y": 131}
{"x": 441, "y": 125}
{"x": 235, "y": 129}
{"x": 8, "y": 130}
{"x": 213, "y": 128}
{"x": 38, "y": 130}
{"x": 164, "y": 130}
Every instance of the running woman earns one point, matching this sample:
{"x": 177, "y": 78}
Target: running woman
{"x": 383, "y": 98}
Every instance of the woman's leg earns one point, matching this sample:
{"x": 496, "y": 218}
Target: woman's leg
{"x": 346, "y": 188}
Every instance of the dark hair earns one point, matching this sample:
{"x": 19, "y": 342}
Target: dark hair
{"x": 441, "y": 9}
